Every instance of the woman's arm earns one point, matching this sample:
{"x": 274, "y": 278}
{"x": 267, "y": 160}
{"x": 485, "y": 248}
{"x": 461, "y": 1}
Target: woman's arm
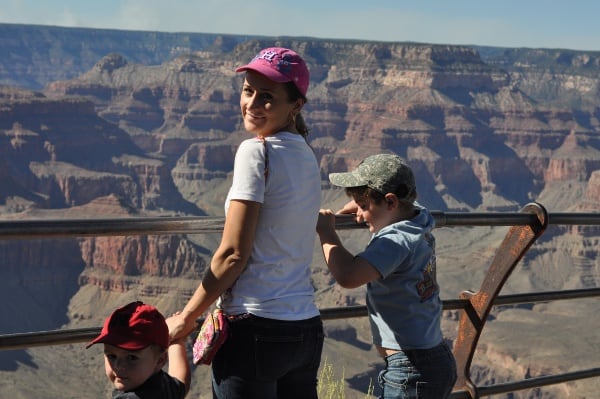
{"x": 228, "y": 262}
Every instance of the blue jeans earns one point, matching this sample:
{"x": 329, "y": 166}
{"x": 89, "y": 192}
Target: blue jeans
{"x": 419, "y": 374}
{"x": 269, "y": 359}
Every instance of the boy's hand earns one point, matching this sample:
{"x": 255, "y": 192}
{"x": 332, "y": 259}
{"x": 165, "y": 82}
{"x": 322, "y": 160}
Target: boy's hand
{"x": 178, "y": 328}
{"x": 349, "y": 208}
{"x": 326, "y": 221}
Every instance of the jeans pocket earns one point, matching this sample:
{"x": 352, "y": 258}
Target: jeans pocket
{"x": 275, "y": 355}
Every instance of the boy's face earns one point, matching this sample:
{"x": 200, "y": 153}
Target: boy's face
{"x": 128, "y": 370}
{"x": 376, "y": 216}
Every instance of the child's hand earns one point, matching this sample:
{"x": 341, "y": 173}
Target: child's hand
{"x": 326, "y": 221}
{"x": 349, "y": 208}
{"x": 178, "y": 328}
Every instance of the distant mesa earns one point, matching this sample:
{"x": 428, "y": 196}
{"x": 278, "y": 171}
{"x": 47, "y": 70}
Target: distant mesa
{"x": 111, "y": 62}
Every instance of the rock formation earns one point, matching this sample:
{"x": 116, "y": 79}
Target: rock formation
{"x": 484, "y": 129}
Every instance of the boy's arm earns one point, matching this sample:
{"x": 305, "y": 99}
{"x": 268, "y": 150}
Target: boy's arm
{"x": 179, "y": 366}
{"x": 348, "y": 270}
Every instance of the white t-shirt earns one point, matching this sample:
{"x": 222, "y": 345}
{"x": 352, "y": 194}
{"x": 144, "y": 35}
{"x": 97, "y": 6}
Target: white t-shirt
{"x": 276, "y": 281}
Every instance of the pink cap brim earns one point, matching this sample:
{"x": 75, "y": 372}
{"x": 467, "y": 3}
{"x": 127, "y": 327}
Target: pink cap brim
{"x": 265, "y": 70}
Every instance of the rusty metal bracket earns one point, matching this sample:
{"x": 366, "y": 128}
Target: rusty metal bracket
{"x": 472, "y": 319}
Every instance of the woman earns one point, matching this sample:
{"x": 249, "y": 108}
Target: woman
{"x": 260, "y": 271}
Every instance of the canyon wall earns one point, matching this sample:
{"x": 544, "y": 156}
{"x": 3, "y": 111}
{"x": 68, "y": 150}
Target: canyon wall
{"x": 143, "y": 124}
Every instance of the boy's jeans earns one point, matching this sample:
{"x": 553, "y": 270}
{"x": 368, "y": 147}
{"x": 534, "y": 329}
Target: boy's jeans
{"x": 419, "y": 374}
{"x": 269, "y": 359}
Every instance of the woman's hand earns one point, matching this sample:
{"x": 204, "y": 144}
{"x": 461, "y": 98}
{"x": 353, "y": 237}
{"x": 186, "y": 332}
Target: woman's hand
{"x": 179, "y": 326}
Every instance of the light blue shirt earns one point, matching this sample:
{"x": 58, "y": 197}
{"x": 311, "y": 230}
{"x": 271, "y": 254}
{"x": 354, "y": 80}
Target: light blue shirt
{"x": 404, "y": 305}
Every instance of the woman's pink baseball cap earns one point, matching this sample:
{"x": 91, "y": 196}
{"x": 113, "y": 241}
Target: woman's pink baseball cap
{"x": 281, "y": 65}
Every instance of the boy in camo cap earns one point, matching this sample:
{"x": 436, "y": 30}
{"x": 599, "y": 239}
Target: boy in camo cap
{"x": 399, "y": 268}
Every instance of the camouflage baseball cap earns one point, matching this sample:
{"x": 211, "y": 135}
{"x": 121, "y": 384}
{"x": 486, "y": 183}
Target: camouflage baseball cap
{"x": 384, "y": 173}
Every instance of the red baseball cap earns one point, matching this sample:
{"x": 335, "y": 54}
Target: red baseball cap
{"x": 134, "y": 327}
{"x": 281, "y": 65}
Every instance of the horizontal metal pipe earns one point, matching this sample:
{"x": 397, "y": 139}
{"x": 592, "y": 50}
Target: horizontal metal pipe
{"x": 47, "y": 338}
{"x": 537, "y": 382}
{"x": 29, "y": 229}
{"x": 60, "y": 337}
{"x": 546, "y": 296}
{"x": 484, "y": 391}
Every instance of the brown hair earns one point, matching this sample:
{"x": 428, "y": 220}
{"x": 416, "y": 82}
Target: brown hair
{"x": 366, "y": 193}
{"x": 294, "y": 94}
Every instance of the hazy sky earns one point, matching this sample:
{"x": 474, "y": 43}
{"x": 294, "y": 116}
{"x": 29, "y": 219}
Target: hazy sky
{"x": 572, "y": 24}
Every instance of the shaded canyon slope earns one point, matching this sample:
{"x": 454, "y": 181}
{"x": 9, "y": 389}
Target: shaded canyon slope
{"x": 485, "y": 129}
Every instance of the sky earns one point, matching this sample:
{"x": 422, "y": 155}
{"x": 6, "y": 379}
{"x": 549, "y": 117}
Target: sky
{"x": 570, "y": 24}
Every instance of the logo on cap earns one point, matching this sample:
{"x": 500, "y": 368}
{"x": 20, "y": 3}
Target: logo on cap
{"x": 280, "y": 65}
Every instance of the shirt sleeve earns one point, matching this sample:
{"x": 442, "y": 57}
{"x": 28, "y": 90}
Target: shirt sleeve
{"x": 249, "y": 172}
{"x": 385, "y": 254}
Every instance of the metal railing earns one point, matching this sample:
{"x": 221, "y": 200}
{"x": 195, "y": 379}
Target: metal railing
{"x": 525, "y": 227}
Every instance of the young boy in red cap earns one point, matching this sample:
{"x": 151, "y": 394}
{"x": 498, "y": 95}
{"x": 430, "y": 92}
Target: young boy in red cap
{"x": 136, "y": 348}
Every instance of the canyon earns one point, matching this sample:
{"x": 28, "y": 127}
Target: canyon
{"x": 109, "y": 124}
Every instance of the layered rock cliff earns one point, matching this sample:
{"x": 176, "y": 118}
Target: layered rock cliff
{"x": 484, "y": 130}
{"x": 461, "y": 122}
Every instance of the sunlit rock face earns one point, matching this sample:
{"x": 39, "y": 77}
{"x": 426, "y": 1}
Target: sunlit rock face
{"x": 120, "y": 131}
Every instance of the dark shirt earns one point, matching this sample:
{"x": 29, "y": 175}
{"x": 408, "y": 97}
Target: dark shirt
{"x": 160, "y": 386}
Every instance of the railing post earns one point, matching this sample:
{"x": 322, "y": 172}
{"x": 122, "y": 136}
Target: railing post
{"x": 472, "y": 319}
